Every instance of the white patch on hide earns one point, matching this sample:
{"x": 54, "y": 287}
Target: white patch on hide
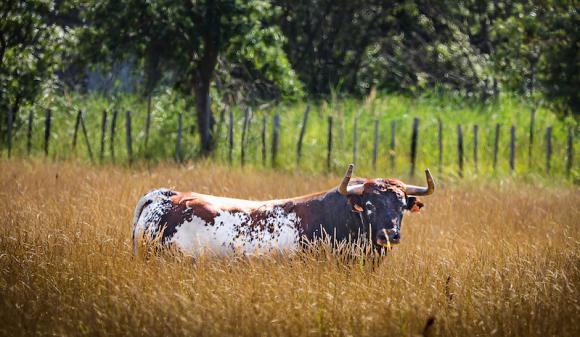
{"x": 150, "y": 216}
{"x": 235, "y": 232}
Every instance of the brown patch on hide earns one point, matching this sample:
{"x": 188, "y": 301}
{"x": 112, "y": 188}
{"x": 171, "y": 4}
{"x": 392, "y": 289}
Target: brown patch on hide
{"x": 199, "y": 207}
{"x": 383, "y": 185}
{"x": 305, "y": 198}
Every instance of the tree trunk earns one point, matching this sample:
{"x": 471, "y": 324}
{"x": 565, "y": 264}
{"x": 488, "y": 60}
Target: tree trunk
{"x": 205, "y": 120}
{"x": 202, "y": 77}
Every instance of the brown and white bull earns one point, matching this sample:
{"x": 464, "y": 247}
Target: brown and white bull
{"x": 356, "y": 209}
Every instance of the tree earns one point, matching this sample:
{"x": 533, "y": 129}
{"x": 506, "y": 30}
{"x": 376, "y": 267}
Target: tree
{"x": 187, "y": 38}
{"x": 30, "y": 51}
{"x": 477, "y": 48}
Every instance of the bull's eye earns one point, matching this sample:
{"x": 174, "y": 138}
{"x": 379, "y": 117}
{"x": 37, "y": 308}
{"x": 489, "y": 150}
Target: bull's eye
{"x": 402, "y": 204}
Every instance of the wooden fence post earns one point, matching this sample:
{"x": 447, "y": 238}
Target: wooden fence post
{"x": 29, "y": 133}
{"x": 512, "y": 148}
{"x": 275, "y": 139}
{"x": 548, "y": 149}
{"x": 355, "y": 140}
{"x": 531, "y": 143}
{"x": 414, "y": 137}
{"x": 47, "y": 122}
{"x": 103, "y": 133}
{"x": 87, "y": 142}
{"x": 263, "y": 133}
{"x": 440, "y": 144}
{"x": 376, "y": 144}
{"x": 113, "y": 127}
{"x": 301, "y": 137}
{"x": 9, "y": 127}
{"x": 129, "y": 139}
{"x": 496, "y": 145}
{"x": 329, "y": 145}
{"x": 475, "y": 145}
{"x": 569, "y": 151}
{"x": 460, "y": 149}
{"x": 76, "y": 129}
{"x": 392, "y": 152}
{"x": 230, "y": 135}
{"x": 244, "y": 131}
{"x": 178, "y": 143}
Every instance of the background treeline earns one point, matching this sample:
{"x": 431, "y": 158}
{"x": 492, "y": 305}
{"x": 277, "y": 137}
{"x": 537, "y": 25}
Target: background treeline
{"x": 251, "y": 53}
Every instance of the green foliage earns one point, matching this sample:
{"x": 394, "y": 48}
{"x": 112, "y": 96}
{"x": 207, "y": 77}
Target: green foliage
{"x": 176, "y": 39}
{"x": 452, "y": 110}
{"x": 31, "y": 47}
{"x": 539, "y": 48}
{"x": 259, "y": 51}
{"x": 476, "y": 48}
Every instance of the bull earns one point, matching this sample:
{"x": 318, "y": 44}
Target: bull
{"x": 357, "y": 209}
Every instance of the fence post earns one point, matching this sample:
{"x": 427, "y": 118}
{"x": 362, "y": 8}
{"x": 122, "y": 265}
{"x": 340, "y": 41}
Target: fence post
{"x": 495, "y": 145}
{"x": 129, "y": 139}
{"x": 113, "y": 126}
{"x": 376, "y": 144}
{"x": 355, "y": 140}
{"x": 301, "y": 137}
{"x": 460, "y": 149}
{"x": 87, "y": 142}
{"x": 440, "y": 143}
{"x": 531, "y": 143}
{"x": 76, "y": 130}
{"x": 414, "y": 137}
{"x": 178, "y": 143}
{"x": 275, "y": 139}
{"x": 548, "y": 149}
{"x": 47, "y": 131}
{"x": 392, "y": 152}
{"x": 570, "y": 151}
{"x": 244, "y": 131}
{"x": 10, "y": 122}
{"x": 329, "y": 144}
{"x": 103, "y": 133}
{"x": 264, "y": 124}
{"x": 475, "y": 145}
{"x": 29, "y": 133}
{"x": 512, "y": 148}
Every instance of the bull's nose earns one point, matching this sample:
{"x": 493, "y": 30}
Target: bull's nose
{"x": 388, "y": 236}
{"x": 394, "y": 235}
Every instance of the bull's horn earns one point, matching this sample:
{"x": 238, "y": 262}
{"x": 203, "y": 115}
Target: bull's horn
{"x": 419, "y": 190}
{"x": 344, "y": 189}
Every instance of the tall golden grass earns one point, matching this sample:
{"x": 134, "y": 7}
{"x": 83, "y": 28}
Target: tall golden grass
{"x": 481, "y": 259}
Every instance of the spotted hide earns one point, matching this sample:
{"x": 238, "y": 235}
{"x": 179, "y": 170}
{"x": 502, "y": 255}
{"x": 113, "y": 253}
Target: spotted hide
{"x": 198, "y": 223}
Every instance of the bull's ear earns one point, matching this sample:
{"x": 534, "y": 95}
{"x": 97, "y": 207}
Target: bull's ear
{"x": 355, "y": 202}
{"x": 414, "y": 204}
{"x": 357, "y": 208}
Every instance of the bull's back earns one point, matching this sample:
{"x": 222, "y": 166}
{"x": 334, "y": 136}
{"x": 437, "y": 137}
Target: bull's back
{"x": 198, "y": 224}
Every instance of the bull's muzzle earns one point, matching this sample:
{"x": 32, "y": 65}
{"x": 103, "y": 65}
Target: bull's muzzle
{"x": 388, "y": 237}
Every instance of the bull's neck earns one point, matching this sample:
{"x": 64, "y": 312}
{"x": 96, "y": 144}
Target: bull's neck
{"x": 325, "y": 212}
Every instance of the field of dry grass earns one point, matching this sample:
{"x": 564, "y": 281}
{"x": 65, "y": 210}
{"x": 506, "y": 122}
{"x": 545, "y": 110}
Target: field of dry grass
{"x": 498, "y": 258}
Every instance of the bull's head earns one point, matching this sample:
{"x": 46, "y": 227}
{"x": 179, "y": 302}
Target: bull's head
{"x": 381, "y": 203}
